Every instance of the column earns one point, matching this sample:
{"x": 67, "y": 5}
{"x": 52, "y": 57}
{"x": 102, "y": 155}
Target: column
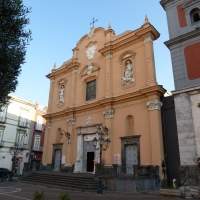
{"x": 157, "y": 152}
{"x": 150, "y": 63}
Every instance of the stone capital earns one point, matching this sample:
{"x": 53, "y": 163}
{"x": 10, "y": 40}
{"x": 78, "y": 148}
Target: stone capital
{"x": 74, "y": 70}
{"x": 109, "y": 113}
{"x": 71, "y": 121}
{"x": 108, "y": 55}
{"x": 48, "y": 125}
{"x": 154, "y": 104}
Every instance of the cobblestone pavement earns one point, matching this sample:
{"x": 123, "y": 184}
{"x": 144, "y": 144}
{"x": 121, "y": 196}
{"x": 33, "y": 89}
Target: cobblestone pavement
{"x": 18, "y": 190}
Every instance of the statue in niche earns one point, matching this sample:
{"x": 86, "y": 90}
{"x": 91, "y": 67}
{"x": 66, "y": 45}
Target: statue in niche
{"x": 61, "y": 95}
{"x": 127, "y": 79}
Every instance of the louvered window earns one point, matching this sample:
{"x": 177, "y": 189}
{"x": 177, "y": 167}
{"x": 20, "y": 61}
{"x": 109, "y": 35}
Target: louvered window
{"x": 39, "y": 123}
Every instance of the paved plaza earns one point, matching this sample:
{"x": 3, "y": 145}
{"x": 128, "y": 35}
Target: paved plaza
{"x": 19, "y": 190}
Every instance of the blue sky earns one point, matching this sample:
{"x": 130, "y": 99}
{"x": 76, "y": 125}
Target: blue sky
{"x": 58, "y": 24}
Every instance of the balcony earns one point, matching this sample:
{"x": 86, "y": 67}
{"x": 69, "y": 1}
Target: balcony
{"x": 39, "y": 127}
{"x": 2, "y": 119}
{"x": 22, "y": 124}
{"x": 1, "y": 143}
{"x": 39, "y": 149}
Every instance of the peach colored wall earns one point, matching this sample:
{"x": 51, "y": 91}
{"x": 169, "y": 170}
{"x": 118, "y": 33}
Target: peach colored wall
{"x": 135, "y": 46}
{"x": 181, "y": 15}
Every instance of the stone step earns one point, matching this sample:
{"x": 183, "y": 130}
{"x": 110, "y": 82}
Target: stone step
{"x": 79, "y": 183}
{"x": 68, "y": 181}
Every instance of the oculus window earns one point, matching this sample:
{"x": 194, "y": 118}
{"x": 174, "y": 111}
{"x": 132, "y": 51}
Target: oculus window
{"x": 91, "y": 90}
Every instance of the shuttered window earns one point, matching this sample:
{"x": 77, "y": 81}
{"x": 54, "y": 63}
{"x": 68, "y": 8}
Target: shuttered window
{"x": 23, "y": 118}
{"x": 39, "y": 123}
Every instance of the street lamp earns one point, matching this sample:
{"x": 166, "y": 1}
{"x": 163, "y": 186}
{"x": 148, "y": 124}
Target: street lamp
{"x": 67, "y": 134}
{"x": 16, "y": 149}
{"x": 101, "y": 142}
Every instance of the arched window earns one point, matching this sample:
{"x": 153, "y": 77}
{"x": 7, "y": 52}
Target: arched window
{"x": 195, "y": 15}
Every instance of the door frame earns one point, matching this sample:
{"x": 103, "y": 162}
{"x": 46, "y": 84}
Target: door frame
{"x": 129, "y": 140}
{"x": 57, "y": 146}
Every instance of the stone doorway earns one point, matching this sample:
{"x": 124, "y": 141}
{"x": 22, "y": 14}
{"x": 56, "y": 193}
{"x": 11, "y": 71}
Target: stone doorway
{"x": 90, "y": 161}
{"x": 88, "y": 156}
{"x": 57, "y": 153}
{"x": 130, "y": 151}
{"x": 131, "y": 158}
{"x": 57, "y": 159}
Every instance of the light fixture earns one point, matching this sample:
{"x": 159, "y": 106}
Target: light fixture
{"x": 67, "y": 134}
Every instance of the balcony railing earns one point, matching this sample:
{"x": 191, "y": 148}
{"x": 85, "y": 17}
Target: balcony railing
{"x": 2, "y": 119}
{"x": 39, "y": 127}
{"x": 22, "y": 123}
{"x": 1, "y": 143}
{"x": 37, "y": 148}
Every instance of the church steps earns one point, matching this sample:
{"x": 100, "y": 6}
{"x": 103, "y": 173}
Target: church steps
{"x": 62, "y": 181}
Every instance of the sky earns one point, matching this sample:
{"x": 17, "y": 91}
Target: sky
{"x": 57, "y": 25}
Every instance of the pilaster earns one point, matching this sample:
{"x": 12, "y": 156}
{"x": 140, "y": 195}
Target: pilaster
{"x": 157, "y": 152}
{"x": 73, "y": 86}
{"x": 150, "y": 63}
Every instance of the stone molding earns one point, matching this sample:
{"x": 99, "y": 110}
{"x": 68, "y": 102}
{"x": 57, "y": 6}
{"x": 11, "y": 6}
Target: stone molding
{"x": 182, "y": 38}
{"x": 90, "y": 51}
{"x": 87, "y": 129}
{"x": 109, "y": 113}
{"x": 71, "y": 121}
{"x": 154, "y": 104}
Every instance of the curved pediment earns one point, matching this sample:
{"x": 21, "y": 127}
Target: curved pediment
{"x": 89, "y": 69}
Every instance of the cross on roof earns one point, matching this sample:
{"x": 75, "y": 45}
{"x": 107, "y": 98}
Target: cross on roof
{"x": 93, "y": 21}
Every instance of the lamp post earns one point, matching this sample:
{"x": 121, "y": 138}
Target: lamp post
{"x": 101, "y": 142}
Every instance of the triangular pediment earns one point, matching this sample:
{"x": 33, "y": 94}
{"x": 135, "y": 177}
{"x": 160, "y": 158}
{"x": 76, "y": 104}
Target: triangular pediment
{"x": 190, "y": 3}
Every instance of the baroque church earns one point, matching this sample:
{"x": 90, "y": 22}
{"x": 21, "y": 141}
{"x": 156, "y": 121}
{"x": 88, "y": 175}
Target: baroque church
{"x": 110, "y": 82}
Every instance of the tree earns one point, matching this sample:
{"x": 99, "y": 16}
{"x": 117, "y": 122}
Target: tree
{"x": 14, "y": 38}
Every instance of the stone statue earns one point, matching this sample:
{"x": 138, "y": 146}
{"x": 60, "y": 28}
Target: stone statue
{"x": 89, "y": 69}
{"x": 128, "y": 77}
{"x": 61, "y": 96}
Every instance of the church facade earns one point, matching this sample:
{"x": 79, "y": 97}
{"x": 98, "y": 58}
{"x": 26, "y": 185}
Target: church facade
{"x": 109, "y": 82}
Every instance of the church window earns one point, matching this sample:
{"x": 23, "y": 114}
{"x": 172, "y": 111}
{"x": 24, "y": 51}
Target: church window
{"x": 195, "y": 15}
{"x": 91, "y": 90}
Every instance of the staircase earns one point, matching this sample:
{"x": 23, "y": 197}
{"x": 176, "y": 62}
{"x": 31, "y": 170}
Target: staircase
{"x": 79, "y": 182}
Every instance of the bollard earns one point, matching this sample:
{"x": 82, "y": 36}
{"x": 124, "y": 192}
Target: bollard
{"x": 187, "y": 192}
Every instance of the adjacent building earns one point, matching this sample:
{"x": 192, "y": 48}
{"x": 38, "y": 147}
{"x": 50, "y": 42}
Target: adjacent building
{"x": 110, "y": 82}
{"x": 183, "y": 18}
{"x": 38, "y": 135}
{"x": 16, "y": 129}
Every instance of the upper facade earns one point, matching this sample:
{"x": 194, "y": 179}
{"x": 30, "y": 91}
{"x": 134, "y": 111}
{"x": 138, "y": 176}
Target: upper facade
{"x": 104, "y": 67}
{"x": 183, "y": 18}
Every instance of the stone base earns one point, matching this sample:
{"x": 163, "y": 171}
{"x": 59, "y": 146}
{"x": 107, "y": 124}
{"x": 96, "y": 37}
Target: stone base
{"x": 170, "y": 192}
{"x": 192, "y": 172}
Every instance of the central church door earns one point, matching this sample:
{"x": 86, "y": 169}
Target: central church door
{"x": 88, "y": 156}
{"x": 90, "y": 161}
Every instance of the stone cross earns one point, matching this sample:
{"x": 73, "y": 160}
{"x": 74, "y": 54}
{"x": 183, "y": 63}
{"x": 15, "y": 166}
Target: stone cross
{"x": 93, "y": 21}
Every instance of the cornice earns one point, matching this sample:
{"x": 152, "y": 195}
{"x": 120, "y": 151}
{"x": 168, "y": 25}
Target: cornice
{"x": 182, "y": 38}
{"x": 164, "y": 2}
{"x": 130, "y": 38}
{"x": 64, "y": 69}
{"x": 29, "y": 103}
{"x": 112, "y": 101}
